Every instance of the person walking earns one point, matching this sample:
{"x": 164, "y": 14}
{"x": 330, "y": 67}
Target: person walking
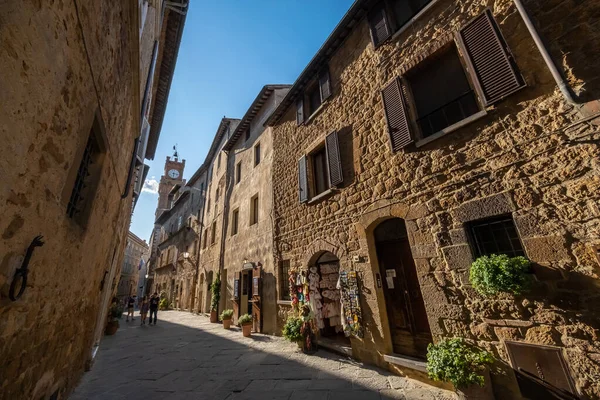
{"x": 130, "y": 308}
{"x": 144, "y": 309}
{"x": 154, "y": 300}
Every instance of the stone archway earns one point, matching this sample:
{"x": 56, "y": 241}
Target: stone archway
{"x": 318, "y": 247}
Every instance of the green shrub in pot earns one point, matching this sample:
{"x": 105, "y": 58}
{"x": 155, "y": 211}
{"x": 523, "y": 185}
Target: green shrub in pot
{"x": 494, "y": 274}
{"x": 454, "y": 360}
{"x": 292, "y": 329}
{"x": 226, "y": 314}
{"x": 245, "y": 319}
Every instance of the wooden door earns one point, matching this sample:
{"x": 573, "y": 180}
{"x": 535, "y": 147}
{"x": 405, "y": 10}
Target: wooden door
{"x": 237, "y": 283}
{"x": 256, "y": 288}
{"x": 406, "y": 310}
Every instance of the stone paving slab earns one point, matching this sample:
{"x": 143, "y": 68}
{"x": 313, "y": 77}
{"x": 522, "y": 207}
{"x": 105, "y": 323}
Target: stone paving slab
{"x": 186, "y": 357}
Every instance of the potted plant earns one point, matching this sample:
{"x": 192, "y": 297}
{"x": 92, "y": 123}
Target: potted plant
{"x": 215, "y": 297}
{"x": 115, "y": 312}
{"x": 163, "y": 304}
{"x": 246, "y": 323}
{"x": 464, "y": 365}
{"x": 226, "y": 316}
{"x": 292, "y": 330}
{"x": 494, "y": 274}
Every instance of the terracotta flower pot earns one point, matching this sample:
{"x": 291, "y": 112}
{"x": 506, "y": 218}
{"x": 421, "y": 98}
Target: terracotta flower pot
{"x": 476, "y": 392}
{"x": 227, "y": 323}
{"x": 213, "y": 317}
{"x": 247, "y": 329}
{"x": 111, "y": 328}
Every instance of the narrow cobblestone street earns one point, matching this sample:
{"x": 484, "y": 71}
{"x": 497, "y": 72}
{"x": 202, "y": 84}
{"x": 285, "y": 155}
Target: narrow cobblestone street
{"x": 186, "y": 357}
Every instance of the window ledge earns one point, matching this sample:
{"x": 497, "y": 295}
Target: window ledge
{"x": 321, "y": 196}
{"x": 413, "y": 19}
{"x": 451, "y": 128}
{"x": 316, "y": 112}
{"x": 284, "y": 302}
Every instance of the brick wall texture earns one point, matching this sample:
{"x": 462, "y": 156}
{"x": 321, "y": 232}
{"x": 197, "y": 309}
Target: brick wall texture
{"x": 532, "y": 156}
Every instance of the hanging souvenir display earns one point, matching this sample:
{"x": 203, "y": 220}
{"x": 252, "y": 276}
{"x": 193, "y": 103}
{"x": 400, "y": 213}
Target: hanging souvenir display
{"x": 351, "y": 312}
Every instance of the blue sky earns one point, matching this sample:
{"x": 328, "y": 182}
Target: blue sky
{"x": 229, "y": 50}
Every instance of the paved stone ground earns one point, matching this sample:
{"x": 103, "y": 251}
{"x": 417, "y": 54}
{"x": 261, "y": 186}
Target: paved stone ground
{"x": 186, "y": 357}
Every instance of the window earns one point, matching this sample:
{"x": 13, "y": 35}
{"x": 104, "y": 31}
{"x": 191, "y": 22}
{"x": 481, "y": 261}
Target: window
{"x": 213, "y": 233}
{"x": 316, "y": 93}
{"x": 320, "y": 170}
{"x": 86, "y": 178}
{"x": 257, "y": 154}
{"x": 234, "y": 221}
{"x": 238, "y": 172}
{"x": 204, "y": 239}
{"x": 217, "y": 195}
{"x": 496, "y": 235}
{"x": 437, "y": 97}
{"x": 284, "y": 286}
{"x": 247, "y": 134}
{"x": 254, "y": 210}
{"x": 441, "y": 93}
{"x": 320, "y": 183}
{"x": 208, "y": 205}
{"x": 219, "y": 161}
{"x": 388, "y": 16}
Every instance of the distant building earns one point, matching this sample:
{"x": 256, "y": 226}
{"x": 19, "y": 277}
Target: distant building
{"x": 135, "y": 250}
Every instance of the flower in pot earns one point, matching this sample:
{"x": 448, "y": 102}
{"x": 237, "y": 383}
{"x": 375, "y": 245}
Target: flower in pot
{"x": 246, "y": 323}
{"x": 495, "y": 274}
{"x": 226, "y": 316}
{"x": 215, "y": 297}
{"x": 292, "y": 330}
{"x": 115, "y": 312}
{"x": 465, "y": 366}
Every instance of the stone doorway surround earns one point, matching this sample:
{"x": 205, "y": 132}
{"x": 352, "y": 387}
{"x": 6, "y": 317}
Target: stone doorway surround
{"x": 376, "y": 213}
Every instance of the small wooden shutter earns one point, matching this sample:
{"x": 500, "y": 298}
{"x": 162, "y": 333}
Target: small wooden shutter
{"x": 334, "y": 161}
{"x": 396, "y": 116}
{"x": 488, "y": 57}
{"x": 378, "y": 22}
{"x": 302, "y": 180}
{"x": 300, "y": 110}
{"x": 324, "y": 84}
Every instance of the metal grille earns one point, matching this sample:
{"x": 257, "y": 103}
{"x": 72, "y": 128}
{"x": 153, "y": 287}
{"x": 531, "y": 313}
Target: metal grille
{"x": 75, "y": 205}
{"x": 448, "y": 114}
{"x": 284, "y": 287}
{"x": 496, "y": 236}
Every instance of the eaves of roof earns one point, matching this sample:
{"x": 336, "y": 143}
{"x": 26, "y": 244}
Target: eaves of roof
{"x": 357, "y": 11}
{"x": 255, "y": 107}
{"x": 173, "y": 23}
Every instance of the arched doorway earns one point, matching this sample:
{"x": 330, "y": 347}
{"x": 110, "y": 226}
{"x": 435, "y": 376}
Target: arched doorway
{"x": 409, "y": 326}
{"x": 323, "y": 275}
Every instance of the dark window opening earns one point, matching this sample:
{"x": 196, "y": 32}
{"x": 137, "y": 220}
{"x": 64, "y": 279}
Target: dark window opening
{"x": 244, "y": 284}
{"x": 319, "y": 171}
{"x": 314, "y": 99}
{"x": 234, "y": 222}
{"x": 284, "y": 287}
{"x": 254, "y": 210}
{"x": 405, "y": 10}
{"x": 442, "y": 93}
{"x": 82, "y": 181}
{"x": 238, "y": 172}
{"x": 496, "y": 235}
{"x": 213, "y": 236}
{"x": 256, "y": 154}
{"x": 247, "y": 134}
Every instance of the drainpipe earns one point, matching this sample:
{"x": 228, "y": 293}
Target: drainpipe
{"x": 560, "y": 81}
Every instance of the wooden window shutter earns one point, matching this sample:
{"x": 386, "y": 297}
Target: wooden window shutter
{"x": 302, "y": 180}
{"x": 378, "y": 22}
{"x": 300, "y": 110}
{"x": 325, "y": 84}
{"x": 489, "y": 59}
{"x": 396, "y": 116}
{"x": 334, "y": 161}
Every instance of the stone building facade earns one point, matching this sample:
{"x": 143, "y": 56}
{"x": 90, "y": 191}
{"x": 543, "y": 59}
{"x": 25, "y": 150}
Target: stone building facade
{"x": 83, "y": 95}
{"x": 135, "y": 249}
{"x": 405, "y": 181}
{"x": 248, "y": 205}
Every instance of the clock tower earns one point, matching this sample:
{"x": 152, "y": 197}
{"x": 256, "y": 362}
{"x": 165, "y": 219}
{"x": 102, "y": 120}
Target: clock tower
{"x": 173, "y": 175}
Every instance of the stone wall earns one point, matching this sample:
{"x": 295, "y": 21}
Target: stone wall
{"x": 61, "y": 63}
{"x": 532, "y": 156}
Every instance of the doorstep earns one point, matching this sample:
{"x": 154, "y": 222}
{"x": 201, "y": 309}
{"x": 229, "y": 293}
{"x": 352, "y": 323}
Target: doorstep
{"x": 335, "y": 347}
{"x": 406, "y": 361}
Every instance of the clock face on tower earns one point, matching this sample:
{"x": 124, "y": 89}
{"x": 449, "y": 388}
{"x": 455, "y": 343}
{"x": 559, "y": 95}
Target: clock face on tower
{"x": 173, "y": 173}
